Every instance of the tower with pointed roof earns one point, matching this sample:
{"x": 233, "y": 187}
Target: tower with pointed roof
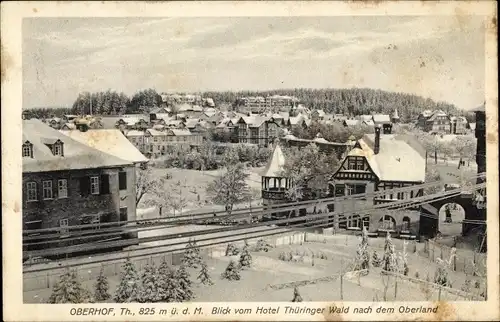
{"x": 274, "y": 185}
{"x": 395, "y": 116}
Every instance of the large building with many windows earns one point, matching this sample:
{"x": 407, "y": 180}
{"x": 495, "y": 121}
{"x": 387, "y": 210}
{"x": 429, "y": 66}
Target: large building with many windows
{"x": 68, "y": 182}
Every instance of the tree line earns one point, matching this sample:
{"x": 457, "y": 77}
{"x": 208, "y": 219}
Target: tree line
{"x": 352, "y": 101}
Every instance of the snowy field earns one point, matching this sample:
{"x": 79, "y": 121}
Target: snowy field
{"x": 268, "y": 269}
{"x": 194, "y": 183}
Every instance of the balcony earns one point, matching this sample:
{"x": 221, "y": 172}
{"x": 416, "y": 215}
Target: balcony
{"x": 274, "y": 194}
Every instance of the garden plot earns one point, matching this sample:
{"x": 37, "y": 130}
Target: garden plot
{"x": 271, "y": 270}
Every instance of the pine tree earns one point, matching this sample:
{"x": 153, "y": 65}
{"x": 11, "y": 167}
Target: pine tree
{"x": 262, "y": 245}
{"x": 128, "y": 289}
{"x": 376, "y": 260}
{"x": 168, "y": 288}
{"x": 362, "y": 255}
{"x": 204, "y": 277}
{"x": 245, "y": 258}
{"x": 296, "y": 295}
{"x": 231, "y": 250}
{"x": 102, "y": 287}
{"x": 184, "y": 284}
{"x": 164, "y": 274}
{"x": 198, "y": 260}
{"x": 69, "y": 290}
{"x": 189, "y": 255}
{"x": 389, "y": 254}
{"x": 149, "y": 289}
{"x": 232, "y": 272}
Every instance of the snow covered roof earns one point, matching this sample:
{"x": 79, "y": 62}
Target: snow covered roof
{"x": 397, "y": 155}
{"x": 177, "y": 132}
{"x": 276, "y": 164}
{"x": 109, "y": 141}
{"x": 320, "y": 140}
{"x": 381, "y": 118}
{"x": 134, "y": 133}
{"x": 351, "y": 122}
{"x": 76, "y": 154}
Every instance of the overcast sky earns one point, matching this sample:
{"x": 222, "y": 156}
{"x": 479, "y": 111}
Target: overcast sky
{"x": 437, "y": 57}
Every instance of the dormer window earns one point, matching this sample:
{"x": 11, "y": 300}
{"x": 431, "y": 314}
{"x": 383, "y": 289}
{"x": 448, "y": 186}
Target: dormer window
{"x": 27, "y": 150}
{"x": 56, "y": 147}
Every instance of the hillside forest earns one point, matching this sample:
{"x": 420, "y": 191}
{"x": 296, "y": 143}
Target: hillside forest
{"x": 353, "y": 101}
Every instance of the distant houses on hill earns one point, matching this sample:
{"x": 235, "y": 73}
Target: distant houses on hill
{"x": 188, "y": 119}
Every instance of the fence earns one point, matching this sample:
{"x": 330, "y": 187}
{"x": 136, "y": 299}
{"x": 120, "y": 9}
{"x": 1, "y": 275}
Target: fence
{"x": 353, "y": 240}
{"x": 39, "y": 281}
{"x": 442, "y": 291}
{"x": 469, "y": 262}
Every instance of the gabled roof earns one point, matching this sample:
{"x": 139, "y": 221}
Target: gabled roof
{"x": 276, "y": 164}
{"x": 112, "y": 142}
{"x": 184, "y": 107}
{"x": 69, "y": 126}
{"x": 369, "y": 123}
{"x": 366, "y": 117}
{"x": 76, "y": 155}
{"x": 351, "y": 122}
{"x": 257, "y": 121}
{"x": 381, "y": 119}
{"x": 397, "y": 155}
{"x": 436, "y": 114}
{"x": 177, "y": 132}
{"x": 191, "y": 123}
{"x": 153, "y": 132}
{"x": 134, "y": 133}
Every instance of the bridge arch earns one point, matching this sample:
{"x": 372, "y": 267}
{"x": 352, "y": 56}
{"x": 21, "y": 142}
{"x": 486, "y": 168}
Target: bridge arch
{"x": 430, "y": 214}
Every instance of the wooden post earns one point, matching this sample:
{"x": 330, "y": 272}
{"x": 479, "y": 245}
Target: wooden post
{"x": 455, "y": 263}
{"x": 439, "y": 293}
{"x": 48, "y": 280}
{"x": 342, "y": 279}
{"x": 395, "y": 287}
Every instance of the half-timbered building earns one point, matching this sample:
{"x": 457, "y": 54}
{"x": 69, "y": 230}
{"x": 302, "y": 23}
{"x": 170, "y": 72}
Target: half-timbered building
{"x": 380, "y": 162}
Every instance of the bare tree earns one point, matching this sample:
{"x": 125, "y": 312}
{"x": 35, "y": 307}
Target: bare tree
{"x": 230, "y": 187}
{"x": 147, "y": 183}
{"x": 465, "y": 147}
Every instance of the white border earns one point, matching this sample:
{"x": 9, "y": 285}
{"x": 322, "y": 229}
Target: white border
{"x": 11, "y": 17}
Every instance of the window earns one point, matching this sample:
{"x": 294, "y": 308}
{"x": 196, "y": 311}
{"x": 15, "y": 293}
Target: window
{"x": 360, "y": 165}
{"x": 94, "y": 185}
{"x": 64, "y": 224}
{"x": 31, "y": 191}
{"x": 62, "y": 188}
{"x": 349, "y": 190}
{"x": 122, "y": 178}
{"x": 339, "y": 190}
{"x": 48, "y": 193}
{"x": 360, "y": 188}
{"x": 27, "y": 150}
{"x": 58, "y": 149}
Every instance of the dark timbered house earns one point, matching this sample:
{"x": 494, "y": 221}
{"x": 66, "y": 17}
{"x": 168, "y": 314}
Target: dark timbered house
{"x": 380, "y": 162}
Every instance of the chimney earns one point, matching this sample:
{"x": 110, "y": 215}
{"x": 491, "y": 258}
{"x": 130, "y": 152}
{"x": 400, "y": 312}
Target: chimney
{"x": 376, "y": 148}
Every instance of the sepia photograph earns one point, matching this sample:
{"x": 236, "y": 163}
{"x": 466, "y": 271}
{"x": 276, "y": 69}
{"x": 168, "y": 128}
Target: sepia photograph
{"x": 264, "y": 158}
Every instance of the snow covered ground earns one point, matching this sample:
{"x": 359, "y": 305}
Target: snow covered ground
{"x": 267, "y": 269}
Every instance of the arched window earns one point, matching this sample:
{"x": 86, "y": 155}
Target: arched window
{"x": 387, "y": 223}
{"x": 406, "y": 224}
